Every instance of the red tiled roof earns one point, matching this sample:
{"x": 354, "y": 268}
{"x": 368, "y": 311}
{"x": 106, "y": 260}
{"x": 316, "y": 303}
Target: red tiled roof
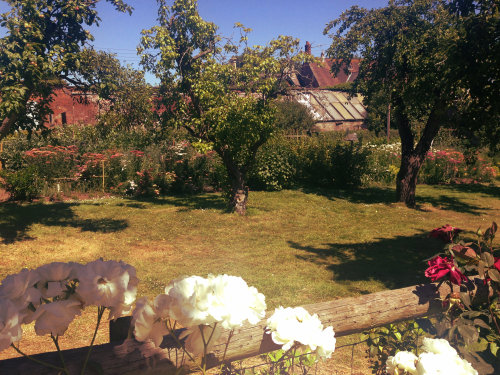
{"x": 320, "y": 75}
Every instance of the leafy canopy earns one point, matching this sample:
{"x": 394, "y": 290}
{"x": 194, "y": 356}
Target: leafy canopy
{"x": 41, "y": 47}
{"x": 219, "y": 98}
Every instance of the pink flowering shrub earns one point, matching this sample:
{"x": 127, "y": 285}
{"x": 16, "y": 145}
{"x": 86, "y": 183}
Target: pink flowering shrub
{"x": 52, "y": 161}
{"x": 450, "y": 166}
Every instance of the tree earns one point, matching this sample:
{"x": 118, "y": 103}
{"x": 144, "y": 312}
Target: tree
{"x": 128, "y": 98}
{"x": 224, "y": 102}
{"x": 413, "y": 56}
{"x": 41, "y": 47}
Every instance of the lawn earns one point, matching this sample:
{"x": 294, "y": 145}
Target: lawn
{"x": 295, "y": 246}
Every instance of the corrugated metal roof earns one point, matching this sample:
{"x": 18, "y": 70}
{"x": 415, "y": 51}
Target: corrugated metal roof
{"x": 327, "y": 105}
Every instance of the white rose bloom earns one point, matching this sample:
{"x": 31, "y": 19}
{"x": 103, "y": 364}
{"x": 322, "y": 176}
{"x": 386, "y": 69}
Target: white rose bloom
{"x": 438, "y": 346}
{"x": 53, "y": 278}
{"x": 433, "y": 364}
{"x": 55, "y": 317}
{"x": 233, "y": 301}
{"x": 190, "y": 301}
{"x": 161, "y": 305}
{"x": 443, "y": 364}
{"x": 146, "y": 322}
{"x": 326, "y": 343}
{"x": 19, "y": 288}
{"x": 402, "y": 361}
{"x": 108, "y": 283}
{"x": 289, "y": 325}
{"x": 10, "y": 324}
{"x": 463, "y": 367}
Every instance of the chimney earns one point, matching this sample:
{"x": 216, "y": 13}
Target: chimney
{"x": 308, "y": 48}
{"x": 322, "y": 56}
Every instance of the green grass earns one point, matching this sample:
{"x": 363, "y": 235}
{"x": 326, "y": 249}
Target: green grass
{"x": 295, "y": 246}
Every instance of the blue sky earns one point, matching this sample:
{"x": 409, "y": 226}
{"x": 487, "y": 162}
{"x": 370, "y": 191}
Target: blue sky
{"x": 120, "y": 33}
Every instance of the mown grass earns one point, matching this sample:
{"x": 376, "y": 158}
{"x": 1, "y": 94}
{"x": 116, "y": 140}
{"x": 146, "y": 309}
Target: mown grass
{"x": 295, "y": 246}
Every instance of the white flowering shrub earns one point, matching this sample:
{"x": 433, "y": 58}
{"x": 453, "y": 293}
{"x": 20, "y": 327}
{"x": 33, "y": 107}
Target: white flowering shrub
{"x": 437, "y": 358}
{"x": 54, "y": 294}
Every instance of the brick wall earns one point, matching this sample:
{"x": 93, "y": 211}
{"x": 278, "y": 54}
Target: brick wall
{"x": 70, "y": 107}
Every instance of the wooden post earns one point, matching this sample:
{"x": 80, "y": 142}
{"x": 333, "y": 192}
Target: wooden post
{"x": 388, "y": 123}
{"x": 103, "y": 178}
{"x": 1, "y": 150}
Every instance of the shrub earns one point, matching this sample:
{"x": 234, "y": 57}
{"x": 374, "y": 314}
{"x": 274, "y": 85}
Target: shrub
{"x": 293, "y": 117}
{"x": 274, "y": 166}
{"x": 22, "y": 185}
{"x": 329, "y": 161}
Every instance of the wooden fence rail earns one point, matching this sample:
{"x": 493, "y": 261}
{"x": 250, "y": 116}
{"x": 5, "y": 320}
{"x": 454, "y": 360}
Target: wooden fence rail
{"x": 347, "y": 316}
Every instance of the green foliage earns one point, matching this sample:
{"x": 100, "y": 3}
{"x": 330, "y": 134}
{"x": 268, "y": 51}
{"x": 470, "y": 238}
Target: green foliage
{"x": 274, "y": 168}
{"x": 326, "y": 161}
{"x": 329, "y": 161}
{"x": 388, "y": 340}
{"x": 41, "y": 46}
{"x": 292, "y": 117}
{"x": 22, "y": 185}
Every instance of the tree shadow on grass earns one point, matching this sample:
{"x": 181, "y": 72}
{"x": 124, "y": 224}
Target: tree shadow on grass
{"x": 387, "y": 195}
{"x": 447, "y": 203}
{"x": 16, "y": 220}
{"x": 396, "y": 262}
{"x": 365, "y": 195}
{"x": 192, "y": 202}
{"x": 485, "y": 190}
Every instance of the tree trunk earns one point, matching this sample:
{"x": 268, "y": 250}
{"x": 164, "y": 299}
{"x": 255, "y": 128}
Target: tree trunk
{"x": 6, "y": 125}
{"x": 238, "y": 195}
{"x": 412, "y": 157}
{"x": 406, "y": 180}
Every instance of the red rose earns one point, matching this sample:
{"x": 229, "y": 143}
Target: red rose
{"x": 440, "y": 267}
{"x": 445, "y": 233}
{"x": 497, "y": 263}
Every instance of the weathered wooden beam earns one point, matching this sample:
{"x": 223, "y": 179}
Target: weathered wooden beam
{"x": 347, "y": 316}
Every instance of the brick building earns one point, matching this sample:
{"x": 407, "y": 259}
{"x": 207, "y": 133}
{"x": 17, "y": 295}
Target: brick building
{"x": 70, "y": 106}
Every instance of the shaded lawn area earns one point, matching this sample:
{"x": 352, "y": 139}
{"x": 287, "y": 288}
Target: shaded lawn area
{"x": 295, "y": 246}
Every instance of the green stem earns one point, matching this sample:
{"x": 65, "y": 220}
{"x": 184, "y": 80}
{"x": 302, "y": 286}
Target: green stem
{"x": 172, "y": 333}
{"x": 100, "y": 312}
{"x": 225, "y": 350}
{"x": 49, "y": 365}
{"x": 61, "y": 357}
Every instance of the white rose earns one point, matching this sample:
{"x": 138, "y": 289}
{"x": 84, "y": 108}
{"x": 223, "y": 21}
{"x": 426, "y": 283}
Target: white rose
{"x": 108, "y": 283}
{"x": 289, "y": 325}
{"x": 190, "y": 301}
{"x": 55, "y": 317}
{"x": 19, "y": 288}
{"x": 402, "y": 361}
{"x": 53, "y": 278}
{"x": 326, "y": 343}
{"x": 443, "y": 364}
{"x": 146, "y": 322}
{"x": 10, "y": 324}
{"x": 438, "y": 346}
{"x": 234, "y": 301}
